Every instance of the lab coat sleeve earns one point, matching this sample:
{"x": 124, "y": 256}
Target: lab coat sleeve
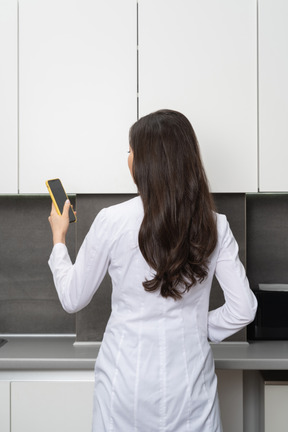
{"x": 240, "y": 304}
{"x": 77, "y": 283}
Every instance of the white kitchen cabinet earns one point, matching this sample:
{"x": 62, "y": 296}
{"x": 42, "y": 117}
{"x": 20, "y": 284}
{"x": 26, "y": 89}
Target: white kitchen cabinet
{"x": 51, "y": 406}
{"x": 275, "y": 407}
{"x": 200, "y": 57}
{"x": 78, "y": 93}
{"x": 273, "y": 95}
{"x": 5, "y": 406}
{"x": 8, "y": 98}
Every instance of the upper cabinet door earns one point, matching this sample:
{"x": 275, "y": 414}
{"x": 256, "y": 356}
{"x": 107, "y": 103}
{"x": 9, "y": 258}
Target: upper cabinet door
{"x": 273, "y": 95}
{"x": 78, "y": 93}
{"x": 8, "y": 98}
{"x": 200, "y": 58}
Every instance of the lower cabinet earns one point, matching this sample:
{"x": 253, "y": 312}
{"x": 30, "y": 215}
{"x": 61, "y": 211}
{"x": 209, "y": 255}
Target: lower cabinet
{"x": 46, "y": 401}
{"x": 5, "y": 406}
{"x": 51, "y": 406}
{"x": 275, "y": 406}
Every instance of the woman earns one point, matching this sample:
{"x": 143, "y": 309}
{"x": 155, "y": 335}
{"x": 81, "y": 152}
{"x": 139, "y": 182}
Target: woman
{"x": 155, "y": 369}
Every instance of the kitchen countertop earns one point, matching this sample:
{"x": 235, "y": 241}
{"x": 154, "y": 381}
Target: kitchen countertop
{"x": 47, "y": 352}
{"x": 60, "y": 352}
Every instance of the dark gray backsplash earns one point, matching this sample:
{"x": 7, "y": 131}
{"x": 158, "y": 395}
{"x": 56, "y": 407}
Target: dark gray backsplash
{"x": 28, "y": 300}
{"x": 267, "y": 238}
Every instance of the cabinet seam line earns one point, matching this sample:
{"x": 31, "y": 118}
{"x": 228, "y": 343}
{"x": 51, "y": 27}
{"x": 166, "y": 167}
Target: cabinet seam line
{"x": 18, "y": 106}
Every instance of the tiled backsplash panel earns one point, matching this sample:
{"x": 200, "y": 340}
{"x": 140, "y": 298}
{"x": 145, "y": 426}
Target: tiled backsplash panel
{"x": 267, "y": 238}
{"x": 28, "y": 300}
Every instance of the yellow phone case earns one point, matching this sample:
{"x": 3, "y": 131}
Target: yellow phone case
{"x": 53, "y": 198}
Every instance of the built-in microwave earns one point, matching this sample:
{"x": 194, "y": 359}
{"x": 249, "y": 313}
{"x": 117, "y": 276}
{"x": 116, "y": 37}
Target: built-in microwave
{"x": 271, "y": 321}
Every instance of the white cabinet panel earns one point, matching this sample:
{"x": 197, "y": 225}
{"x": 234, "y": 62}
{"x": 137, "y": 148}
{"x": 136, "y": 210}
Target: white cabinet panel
{"x": 200, "y": 57}
{"x": 273, "y": 95}
{"x": 8, "y": 97}
{"x": 5, "y": 406}
{"x": 275, "y": 408}
{"x": 51, "y": 406}
{"x": 78, "y": 93}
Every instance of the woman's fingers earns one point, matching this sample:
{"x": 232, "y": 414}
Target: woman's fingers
{"x": 66, "y": 208}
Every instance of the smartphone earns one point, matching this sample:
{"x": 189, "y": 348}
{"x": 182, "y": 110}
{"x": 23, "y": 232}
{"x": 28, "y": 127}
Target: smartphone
{"x": 59, "y": 196}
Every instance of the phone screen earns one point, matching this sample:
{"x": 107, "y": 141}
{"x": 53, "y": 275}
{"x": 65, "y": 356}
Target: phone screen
{"x": 59, "y": 197}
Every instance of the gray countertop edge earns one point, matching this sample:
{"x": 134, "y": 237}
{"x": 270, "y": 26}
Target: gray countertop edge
{"x": 255, "y": 364}
{"x": 39, "y": 352}
{"x": 47, "y": 364}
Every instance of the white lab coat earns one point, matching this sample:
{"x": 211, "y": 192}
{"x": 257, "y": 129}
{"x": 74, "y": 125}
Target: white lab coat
{"x": 155, "y": 368}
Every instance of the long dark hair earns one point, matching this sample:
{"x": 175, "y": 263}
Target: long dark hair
{"x": 178, "y": 232}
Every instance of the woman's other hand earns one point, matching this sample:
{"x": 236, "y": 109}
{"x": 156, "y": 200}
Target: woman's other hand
{"x": 59, "y": 223}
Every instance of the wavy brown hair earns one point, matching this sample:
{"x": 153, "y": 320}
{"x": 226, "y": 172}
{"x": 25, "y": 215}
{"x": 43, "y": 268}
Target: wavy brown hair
{"x": 178, "y": 232}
